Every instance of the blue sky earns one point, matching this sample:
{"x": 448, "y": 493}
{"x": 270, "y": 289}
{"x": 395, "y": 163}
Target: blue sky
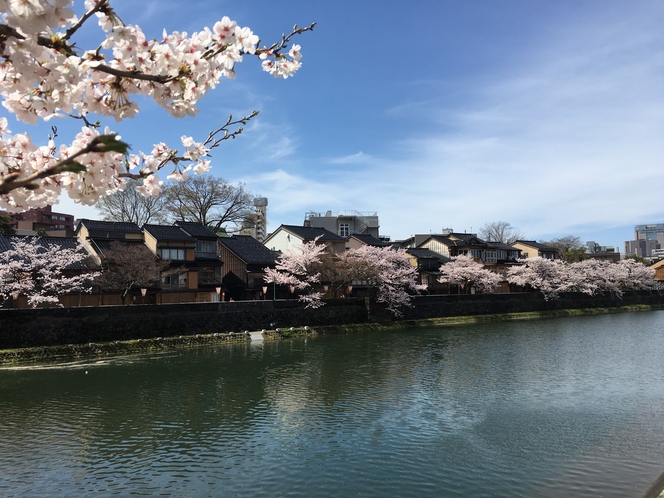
{"x": 436, "y": 114}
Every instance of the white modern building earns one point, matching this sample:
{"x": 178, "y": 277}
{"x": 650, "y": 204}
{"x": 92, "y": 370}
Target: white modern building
{"x": 345, "y": 223}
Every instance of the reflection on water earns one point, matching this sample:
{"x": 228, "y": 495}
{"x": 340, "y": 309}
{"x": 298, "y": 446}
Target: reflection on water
{"x": 566, "y": 407}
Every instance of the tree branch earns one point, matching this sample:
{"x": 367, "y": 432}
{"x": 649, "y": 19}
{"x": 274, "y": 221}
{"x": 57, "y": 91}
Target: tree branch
{"x": 104, "y": 143}
{"x": 103, "y": 4}
{"x": 136, "y": 75}
{"x": 276, "y": 47}
{"x": 210, "y": 142}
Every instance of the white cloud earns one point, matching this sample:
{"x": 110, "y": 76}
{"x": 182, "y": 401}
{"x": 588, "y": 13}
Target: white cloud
{"x": 571, "y": 139}
{"x": 292, "y": 195}
{"x": 359, "y": 158}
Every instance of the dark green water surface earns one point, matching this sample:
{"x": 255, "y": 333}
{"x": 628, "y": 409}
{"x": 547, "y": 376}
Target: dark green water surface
{"x": 546, "y": 408}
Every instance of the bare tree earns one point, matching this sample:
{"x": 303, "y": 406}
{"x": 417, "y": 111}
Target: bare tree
{"x": 500, "y": 231}
{"x": 566, "y": 243}
{"x": 128, "y": 205}
{"x": 570, "y": 247}
{"x": 208, "y": 200}
{"x": 129, "y": 264}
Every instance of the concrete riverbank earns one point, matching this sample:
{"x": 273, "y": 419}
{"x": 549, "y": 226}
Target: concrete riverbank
{"x": 657, "y": 488}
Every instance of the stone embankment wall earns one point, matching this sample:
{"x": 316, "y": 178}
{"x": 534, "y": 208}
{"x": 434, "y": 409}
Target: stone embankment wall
{"x": 48, "y": 327}
{"x": 61, "y": 326}
{"x": 490, "y": 304}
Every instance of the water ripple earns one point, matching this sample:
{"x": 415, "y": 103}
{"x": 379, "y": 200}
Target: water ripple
{"x": 570, "y": 407}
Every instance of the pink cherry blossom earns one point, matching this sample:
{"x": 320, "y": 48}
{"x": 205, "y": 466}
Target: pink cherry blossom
{"x": 297, "y": 268}
{"x": 38, "y": 270}
{"x": 41, "y": 80}
{"x": 464, "y": 270}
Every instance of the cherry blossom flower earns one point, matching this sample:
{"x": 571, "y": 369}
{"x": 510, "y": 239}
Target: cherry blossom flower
{"x": 37, "y": 269}
{"x": 43, "y": 74}
{"x": 464, "y": 270}
{"x": 297, "y": 268}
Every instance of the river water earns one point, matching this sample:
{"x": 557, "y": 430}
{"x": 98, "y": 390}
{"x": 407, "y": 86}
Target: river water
{"x": 541, "y": 408}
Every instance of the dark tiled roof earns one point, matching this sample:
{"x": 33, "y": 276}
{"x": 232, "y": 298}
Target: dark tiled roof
{"x": 110, "y": 226}
{"x": 441, "y": 238}
{"x": 463, "y": 236}
{"x": 470, "y": 240}
{"x": 56, "y": 243}
{"x": 425, "y": 253}
{"x": 310, "y": 233}
{"x": 500, "y": 245}
{"x": 165, "y": 232}
{"x": 196, "y": 229}
{"x": 249, "y": 249}
{"x": 537, "y": 245}
{"x": 4, "y": 244}
{"x": 103, "y": 247}
{"x": 409, "y": 242}
{"x": 369, "y": 240}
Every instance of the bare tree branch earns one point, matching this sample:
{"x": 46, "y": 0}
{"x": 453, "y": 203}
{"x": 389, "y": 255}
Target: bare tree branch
{"x": 500, "y": 231}
{"x": 129, "y": 205}
{"x": 208, "y": 200}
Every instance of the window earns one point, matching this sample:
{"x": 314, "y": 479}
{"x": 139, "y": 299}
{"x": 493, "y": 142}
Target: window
{"x": 209, "y": 275}
{"x": 174, "y": 254}
{"x": 206, "y": 249}
{"x": 182, "y": 279}
{"x": 476, "y": 253}
{"x": 491, "y": 257}
{"x": 344, "y": 229}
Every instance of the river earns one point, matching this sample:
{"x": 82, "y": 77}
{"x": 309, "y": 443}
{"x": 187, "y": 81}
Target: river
{"x": 540, "y": 408}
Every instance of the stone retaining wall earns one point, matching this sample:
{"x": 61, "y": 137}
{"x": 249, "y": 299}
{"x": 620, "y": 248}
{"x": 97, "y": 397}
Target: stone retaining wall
{"x": 63, "y": 326}
{"x": 58, "y": 326}
{"x": 490, "y": 304}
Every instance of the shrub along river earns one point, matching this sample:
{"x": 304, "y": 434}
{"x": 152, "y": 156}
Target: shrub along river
{"x": 550, "y": 407}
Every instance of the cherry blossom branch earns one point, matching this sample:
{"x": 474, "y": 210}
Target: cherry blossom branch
{"x": 134, "y": 75}
{"x": 102, "y": 6}
{"x": 7, "y": 31}
{"x": 44, "y": 74}
{"x": 102, "y": 143}
{"x": 227, "y": 135}
{"x": 210, "y": 143}
{"x": 276, "y": 47}
{"x": 43, "y": 41}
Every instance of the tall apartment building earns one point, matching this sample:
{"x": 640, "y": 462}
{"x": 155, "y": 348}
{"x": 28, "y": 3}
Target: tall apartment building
{"x": 255, "y": 224}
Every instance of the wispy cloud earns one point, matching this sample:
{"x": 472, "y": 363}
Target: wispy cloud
{"x": 571, "y": 138}
{"x": 290, "y": 196}
{"x": 359, "y": 158}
